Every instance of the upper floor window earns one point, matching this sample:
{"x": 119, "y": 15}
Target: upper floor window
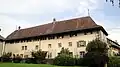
{"x": 51, "y": 37}
{"x": 85, "y": 33}
{"x": 60, "y": 36}
{"x": 73, "y": 34}
{"x": 25, "y": 47}
{"x": 59, "y": 44}
{"x": 70, "y": 44}
{"x": 91, "y": 32}
{"x": 22, "y": 47}
{"x": 49, "y": 45}
{"x": 36, "y": 47}
{"x": 81, "y": 43}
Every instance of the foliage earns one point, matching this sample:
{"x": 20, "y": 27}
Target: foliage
{"x": 113, "y": 2}
{"x": 97, "y": 46}
{"x": 114, "y": 61}
{"x": 96, "y": 54}
{"x": 17, "y": 59}
{"x": 64, "y": 58}
{"x": 6, "y": 57}
{"x": 39, "y": 56}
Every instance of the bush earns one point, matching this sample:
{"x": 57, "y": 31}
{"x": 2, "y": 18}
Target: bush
{"x": 6, "y": 57}
{"x": 39, "y": 56}
{"x": 64, "y": 60}
{"x": 17, "y": 59}
{"x": 114, "y": 62}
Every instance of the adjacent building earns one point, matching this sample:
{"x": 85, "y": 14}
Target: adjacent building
{"x": 114, "y": 47}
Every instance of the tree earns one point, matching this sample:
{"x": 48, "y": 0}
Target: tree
{"x": 97, "y": 53}
{"x": 64, "y": 58}
{"x": 39, "y": 56}
{"x": 113, "y": 2}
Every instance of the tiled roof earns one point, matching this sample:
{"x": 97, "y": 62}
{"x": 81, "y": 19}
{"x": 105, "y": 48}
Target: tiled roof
{"x": 115, "y": 43}
{"x": 55, "y": 27}
{"x": 1, "y": 38}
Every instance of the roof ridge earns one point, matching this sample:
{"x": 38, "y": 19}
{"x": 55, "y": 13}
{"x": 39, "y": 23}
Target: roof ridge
{"x": 56, "y": 22}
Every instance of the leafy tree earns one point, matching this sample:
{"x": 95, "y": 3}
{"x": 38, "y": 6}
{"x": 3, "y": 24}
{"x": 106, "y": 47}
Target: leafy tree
{"x": 113, "y": 2}
{"x": 39, "y": 56}
{"x": 64, "y": 58}
{"x": 97, "y": 53}
{"x": 65, "y": 51}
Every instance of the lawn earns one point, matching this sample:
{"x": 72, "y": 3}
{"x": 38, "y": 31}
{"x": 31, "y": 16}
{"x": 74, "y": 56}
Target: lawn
{"x": 29, "y": 65}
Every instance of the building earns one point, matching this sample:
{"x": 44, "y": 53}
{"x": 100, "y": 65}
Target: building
{"x": 1, "y": 44}
{"x": 114, "y": 47}
{"x": 73, "y": 34}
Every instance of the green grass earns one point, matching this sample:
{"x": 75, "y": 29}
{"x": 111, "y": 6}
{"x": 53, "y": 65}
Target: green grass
{"x": 29, "y": 65}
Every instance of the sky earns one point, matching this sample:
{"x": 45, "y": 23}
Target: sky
{"x": 29, "y": 13}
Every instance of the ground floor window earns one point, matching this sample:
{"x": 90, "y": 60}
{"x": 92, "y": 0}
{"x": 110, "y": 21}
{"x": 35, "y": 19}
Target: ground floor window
{"x": 82, "y": 53}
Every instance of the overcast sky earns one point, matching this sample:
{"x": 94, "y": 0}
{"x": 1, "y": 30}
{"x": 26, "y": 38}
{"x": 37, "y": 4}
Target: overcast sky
{"x": 28, "y": 13}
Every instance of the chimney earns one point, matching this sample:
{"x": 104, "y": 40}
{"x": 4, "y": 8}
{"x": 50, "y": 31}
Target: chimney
{"x": 54, "y": 19}
{"x": 19, "y": 28}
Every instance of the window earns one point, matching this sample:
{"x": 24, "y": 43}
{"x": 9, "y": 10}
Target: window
{"x": 59, "y": 45}
{"x": 25, "y": 56}
{"x": 91, "y": 32}
{"x": 73, "y": 34}
{"x": 25, "y": 47}
{"x": 51, "y": 37}
{"x": 70, "y": 44}
{"x": 60, "y": 36}
{"x": 85, "y": 33}
{"x": 71, "y": 53}
{"x": 58, "y": 54}
{"x": 49, "y": 45}
{"x": 82, "y": 53}
{"x": 22, "y": 47}
{"x": 81, "y": 43}
{"x": 36, "y": 47}
{"x": 21, "y": 55}
{"x": 50, "y": 55}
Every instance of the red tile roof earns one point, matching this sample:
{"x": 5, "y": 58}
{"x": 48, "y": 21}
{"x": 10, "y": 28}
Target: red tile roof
{"x": 55, "y": 27}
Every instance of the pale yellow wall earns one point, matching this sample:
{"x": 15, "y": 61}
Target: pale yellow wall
{"x": 1, "y": 48}
{"x": 43, "y": 44}
{"x": 16, "y": 48}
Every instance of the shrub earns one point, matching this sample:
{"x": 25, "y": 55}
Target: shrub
{"x": 17, "y": 59}
{"x": 114, "y": 61}
{"x": 39, "y": 56}
{"x": 64, "y": 60}
{"x": 6, "y": 57}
